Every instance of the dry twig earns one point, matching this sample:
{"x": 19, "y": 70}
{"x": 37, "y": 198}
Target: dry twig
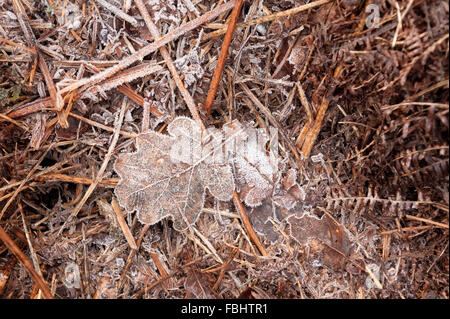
{"x": 248, "y": 226}
{"x": 11, "y": 245}
{"x": 123, "y": 225}
{"x": 222, "y": 56}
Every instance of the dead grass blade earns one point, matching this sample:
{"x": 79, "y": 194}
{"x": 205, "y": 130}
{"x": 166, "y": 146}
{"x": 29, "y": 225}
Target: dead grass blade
{"x": 123, "y": 225}
{"x": 268, "y": 18}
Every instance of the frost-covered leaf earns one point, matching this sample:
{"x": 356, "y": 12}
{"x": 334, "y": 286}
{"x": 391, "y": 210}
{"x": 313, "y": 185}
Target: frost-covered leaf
{"x": 168, "y": 175}
{"x": 254, "y": 169}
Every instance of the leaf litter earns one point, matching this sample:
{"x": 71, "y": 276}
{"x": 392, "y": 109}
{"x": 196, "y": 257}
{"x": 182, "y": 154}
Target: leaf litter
{"x": 364, "y": 216}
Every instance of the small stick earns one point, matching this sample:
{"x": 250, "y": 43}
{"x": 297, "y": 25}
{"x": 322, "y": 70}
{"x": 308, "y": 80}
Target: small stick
{"x": 372, "y": 276}
{"x": 102, "y": 168}
{"x": 170, "y": 65}
{"x": 146, "y": 116}
{"x": 399, "y": 24}
{"x": 387, "y": 232}
{"x": 104, "y": 127}
{"x": 32, "y": 73}
{"x": 123, "y": 225}
{"x": 428, "y": 221}
{"x": 304, "y": 101}
{"x": 18, "y": 45}
{"x": 38, "y": 105}
{"x": 11, "y": 245}
{"x": 436, "y": 259}
{"x": 393, "y": 107}
{"x": 136, "y": 97}
{"x": 247, "y": 224}
{"x": 224, "y": 267}
{"x": 208, "y": 244}
{"x": 159, "y": 265}
{"x": 72, "y": 96}
{"x": 45, "y": 171}
{"x": 48, "y": 79}
{"x": 30, "y": 246}
{"x": 8, "y": 119}
{"x": 443, "y": 83}
{"x": 106, "y": 182}
{"x": 78, "y": 193}
{"x": 118, "y": 79}
{"x": 132, "y": 254}
{"x": 76, "y": 36}
{"x": 85, "y": 282}
{"x": 222, "y": 56}
{"x": 223, "y": 213}
{"x": 24, "y": 22}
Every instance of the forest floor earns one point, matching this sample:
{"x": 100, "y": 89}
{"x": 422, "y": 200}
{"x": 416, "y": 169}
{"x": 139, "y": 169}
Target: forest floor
{"x": 348, "y": 197}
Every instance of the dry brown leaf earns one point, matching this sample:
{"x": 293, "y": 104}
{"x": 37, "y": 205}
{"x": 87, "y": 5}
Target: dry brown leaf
{"x": 197, "y": 286}
{"x": 259, "y": 218}
{"x": 322, "y": 234}
{"x": 285, "y": 197}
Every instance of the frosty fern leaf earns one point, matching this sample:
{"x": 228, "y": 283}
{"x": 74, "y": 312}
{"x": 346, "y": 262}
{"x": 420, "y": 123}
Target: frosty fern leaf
{"x": 158, "y": 183}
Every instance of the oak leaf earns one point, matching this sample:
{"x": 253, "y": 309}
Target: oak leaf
{"x": 168, "y": 175}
